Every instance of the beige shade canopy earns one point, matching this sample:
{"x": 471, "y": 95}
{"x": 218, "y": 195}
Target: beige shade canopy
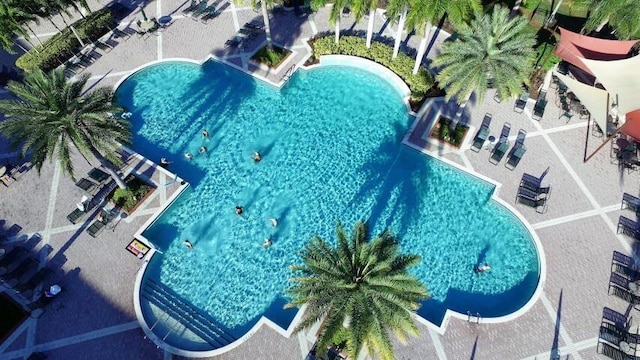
{"x": 621, "y": 78}
{"x": 597, "y": 101}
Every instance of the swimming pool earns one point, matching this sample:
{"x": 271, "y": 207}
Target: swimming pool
{"x": 331, "y": 151}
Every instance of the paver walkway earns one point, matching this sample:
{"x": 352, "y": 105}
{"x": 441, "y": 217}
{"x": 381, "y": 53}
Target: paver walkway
{"x": 94, "y": 318}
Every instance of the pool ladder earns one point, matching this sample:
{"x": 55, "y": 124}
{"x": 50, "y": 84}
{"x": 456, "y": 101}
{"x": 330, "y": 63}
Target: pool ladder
{"x": 477, "y": 316}
{"x": 289, "y": 73}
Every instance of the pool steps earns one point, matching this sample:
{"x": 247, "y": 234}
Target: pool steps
{"x": 186, "y": 314}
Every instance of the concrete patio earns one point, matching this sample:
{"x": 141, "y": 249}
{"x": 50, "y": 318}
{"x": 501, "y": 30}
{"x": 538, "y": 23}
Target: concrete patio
{"x": 95, "y": 318}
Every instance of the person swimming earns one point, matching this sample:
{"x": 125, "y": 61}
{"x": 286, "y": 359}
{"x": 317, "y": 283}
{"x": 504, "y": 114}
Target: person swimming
{"x": 256, "y": 156}
{"x": 481, "y": 269}
{"x": 188, "y": 155}
{"x": 205, "y": 133}
{"x": 203, "y": 150}
{"x": 164, "y": 162}
{"x": 274, "y": 222}
{"x": 239, "y": 210}
{"x": 267, "y": 242}
{"x": 188, "y": 244}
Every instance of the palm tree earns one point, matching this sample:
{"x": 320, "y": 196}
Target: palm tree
{"x": 51, "y": 115}
{"x": 13, "y": 16}
{"x": 622, "y": 15}
{"x": 493, "y": 48}
{"x": 398, "y": 8}
{"x": 334, "y": 14}
{"x": 359, "y": 8}
{"x": 423, "y": 13}
{"x": 363, "y": 285}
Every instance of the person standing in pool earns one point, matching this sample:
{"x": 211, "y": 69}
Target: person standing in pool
{"x": 256, "y": 157}
{"x": 481, "y": 269}
{"x": 239, "y": 210}
{"x": 205, "y": 133}
{"x": 188, "y": 244}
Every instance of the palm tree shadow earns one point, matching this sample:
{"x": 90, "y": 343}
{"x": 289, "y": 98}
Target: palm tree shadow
{"x": 393, "y": 193}
{"x": 555, "y": 349}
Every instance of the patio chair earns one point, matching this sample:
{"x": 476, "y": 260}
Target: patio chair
{"x": 521, "y": 103}
{"x": 86, "y": 185}
{"x": 502, "y": 146}
{"x": 538, "y": 108}
{"x": 618, "y": 280}
{"x": 482, "y": 134}
{"x": 517, "y": 151}
{"x": 611, "y": 335}
{"x": 531, "y": 199}
{"x": 200, "y": 10}
{"x": 210, "y": 13}
{"x": 20, "y": 270}
{"x": 254, "y": 24}
{"x": 15, "y": 254}
{"x": 628, "y": 227}
{"x": 625, "y": 260}
{"x": 98, "y": 176}
{"x": 617, "y": 319}
{"x": 40, "y": 303}
{"x": 235, "y": 42}
{"x": 632, "y": 203}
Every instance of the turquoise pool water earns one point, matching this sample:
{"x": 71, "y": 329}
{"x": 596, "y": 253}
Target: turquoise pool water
{"x": 331, "y": 147}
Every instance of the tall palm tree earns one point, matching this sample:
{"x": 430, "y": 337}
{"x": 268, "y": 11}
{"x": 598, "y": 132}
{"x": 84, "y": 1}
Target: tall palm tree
{"x": 361, "y": 7}
{"x": 365, "y": 284}
{"x": 493, "y": 48}
{"x": 334, "y": 14}
{"x": 51, "y": 117}
{"x": 622, "y": 15}
{"x": 395, "y": 9}
{"x": 423, "y": 13}
{"x": 13, "y": 16}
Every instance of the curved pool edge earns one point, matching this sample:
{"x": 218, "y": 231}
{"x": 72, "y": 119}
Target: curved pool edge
{"x": 402, "y": 88}
{"x": 542, "y": 263}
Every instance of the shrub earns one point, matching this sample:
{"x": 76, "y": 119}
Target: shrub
{"x": 443, "y": 132}
{"x": 272, "y": 58}
{"x": 402, "y": 65}
{"x": 128, "y": 198}
{"x": 61, "y": 46}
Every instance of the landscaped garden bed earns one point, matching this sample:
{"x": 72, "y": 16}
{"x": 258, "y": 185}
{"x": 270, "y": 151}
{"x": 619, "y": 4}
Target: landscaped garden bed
{"x": 132, "y": 196}
{"x": 271, "y": 57}
{"x": 421, "y": 84}
{"x": 63, "y": 45}
{"x": 442, "y": 132}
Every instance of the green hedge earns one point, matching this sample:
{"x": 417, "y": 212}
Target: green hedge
{"x": 61, "y": 46}
{"x": 402, "y": 65}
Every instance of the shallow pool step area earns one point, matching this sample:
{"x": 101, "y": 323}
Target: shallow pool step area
{"x": 186, "y": 314}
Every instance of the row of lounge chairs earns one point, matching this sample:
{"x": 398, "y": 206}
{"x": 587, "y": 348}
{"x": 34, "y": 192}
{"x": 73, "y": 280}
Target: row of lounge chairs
{"x": 247, "y": 32}
{"x": 500, "y": 148}
{"x": 201, "y": 10}
{"x": 96, "y": 178}
{"x": 532, "y": 193}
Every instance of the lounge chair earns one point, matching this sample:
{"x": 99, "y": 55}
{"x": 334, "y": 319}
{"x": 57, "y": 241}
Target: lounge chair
{"x": 192, "y": 6}
{"x": 34, "y": 281}
{"x": 482, "y": 134}
{"x": 538, "y": 108}
{"x": 502, "y": 146}
{"x": 632, "y": 203}
{"x": 200, "y": 9}
{"x": 98, "y": 175}
{"x": 86, "y": 185}
{"x": 617, "y": 319}
{"x": 618, "y": 280}
{"x": 530, "y": 198}
{"x": 100, "y": 223}
{"x": 210, "y": 13}
{"x": 627, "y": 227}
{"x": 521, "y": 103}
{"x": 517, "y": 151}
{"x": 626, "y": 272}
{"x": 20, "y": 270}
{"x": 532, "y": 181}
{"x": 15, "y": 253}
{"x": 254, "y": 24}
{"x": 235, "y": 42}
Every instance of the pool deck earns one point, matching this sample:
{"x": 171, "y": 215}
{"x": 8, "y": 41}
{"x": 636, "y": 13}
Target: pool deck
{"x": 94, "y": 318}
